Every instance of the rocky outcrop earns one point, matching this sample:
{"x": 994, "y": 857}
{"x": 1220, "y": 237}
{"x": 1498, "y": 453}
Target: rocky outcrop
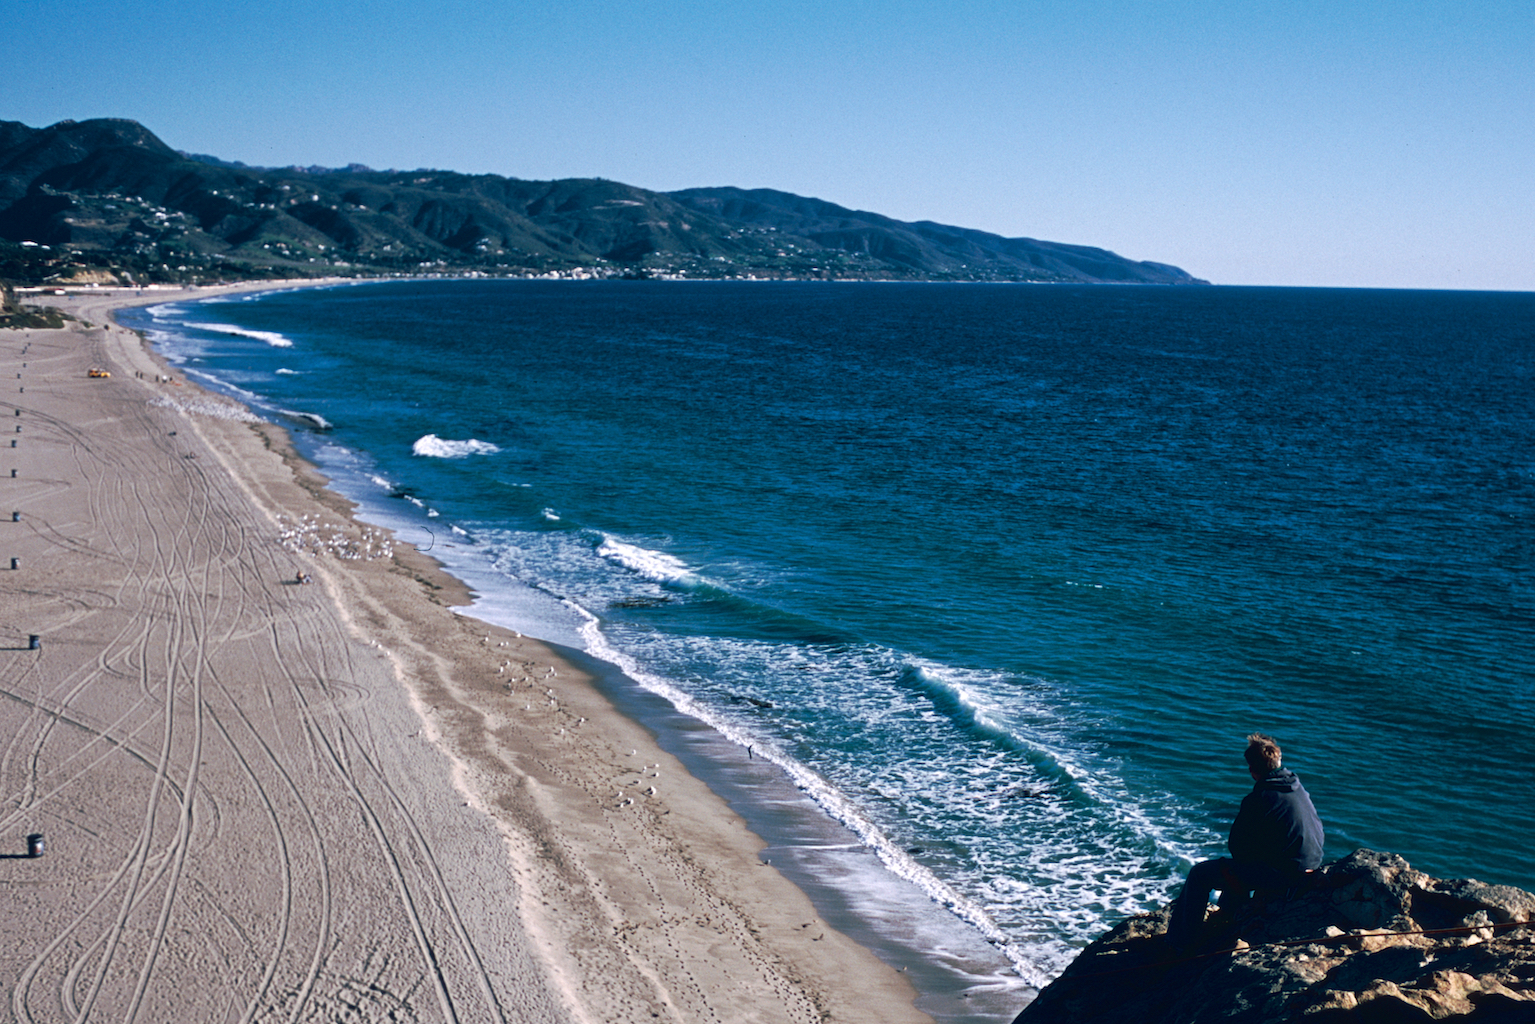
{"x": 1369, "y": 940}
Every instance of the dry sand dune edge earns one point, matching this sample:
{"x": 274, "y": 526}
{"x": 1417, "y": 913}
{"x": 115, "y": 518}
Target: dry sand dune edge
{"x": 266, "y": 800}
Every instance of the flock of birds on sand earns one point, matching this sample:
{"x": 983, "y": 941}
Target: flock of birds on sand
{"x": 312, "y": 535}
{"x": 203, "y": 405}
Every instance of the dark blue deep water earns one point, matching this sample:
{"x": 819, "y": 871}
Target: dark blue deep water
{"x": 1001, "y": 574}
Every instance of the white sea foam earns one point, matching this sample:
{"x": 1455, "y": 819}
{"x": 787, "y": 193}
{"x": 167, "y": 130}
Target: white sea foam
{"x": 1000, "y": 720}
{"x": 438, "y": 448}
{"x": 176, "y": 348}
{"x": 270, "y": 337}
{"x": 218, "y": 383}
{"x": 654, "y": 565}
{"x": 287, "y": 372}
{"x": 825, "y": 795}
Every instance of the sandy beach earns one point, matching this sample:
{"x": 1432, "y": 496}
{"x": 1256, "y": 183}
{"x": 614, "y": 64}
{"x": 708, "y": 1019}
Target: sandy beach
{"x": 337, "y": 800}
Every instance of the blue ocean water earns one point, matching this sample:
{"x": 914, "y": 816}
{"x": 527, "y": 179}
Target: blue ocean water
{"x": 1002, "y": 575}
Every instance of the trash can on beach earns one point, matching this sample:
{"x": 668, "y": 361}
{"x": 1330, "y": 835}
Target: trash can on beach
{"x": 35, "y": 844}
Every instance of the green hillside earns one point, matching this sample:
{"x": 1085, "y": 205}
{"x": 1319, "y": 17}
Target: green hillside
{"x": 106, "y": 200}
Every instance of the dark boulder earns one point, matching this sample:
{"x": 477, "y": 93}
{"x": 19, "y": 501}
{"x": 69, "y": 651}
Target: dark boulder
{"x": 1367, "y": 941}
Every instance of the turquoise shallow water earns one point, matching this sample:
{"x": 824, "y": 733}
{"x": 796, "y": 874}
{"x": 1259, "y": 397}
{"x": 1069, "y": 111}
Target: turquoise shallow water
{"x": 1000, "y": 574}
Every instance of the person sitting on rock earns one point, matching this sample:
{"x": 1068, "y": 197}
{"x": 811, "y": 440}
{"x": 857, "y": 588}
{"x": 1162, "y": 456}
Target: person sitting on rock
{"x": 1275, "y": 840}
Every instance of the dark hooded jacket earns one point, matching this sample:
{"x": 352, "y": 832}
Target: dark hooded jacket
{"x": 1278, "y": 826}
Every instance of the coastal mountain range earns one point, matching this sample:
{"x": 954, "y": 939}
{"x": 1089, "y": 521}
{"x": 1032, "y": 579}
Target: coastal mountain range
{"x": 106, "y": 199}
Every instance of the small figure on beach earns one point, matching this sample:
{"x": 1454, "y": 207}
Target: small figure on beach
{"x": 303, "y": 577}
{"x": 1275, "y": 841}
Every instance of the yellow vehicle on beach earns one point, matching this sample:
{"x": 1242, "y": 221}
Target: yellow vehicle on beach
{"x": 97, "y": 371}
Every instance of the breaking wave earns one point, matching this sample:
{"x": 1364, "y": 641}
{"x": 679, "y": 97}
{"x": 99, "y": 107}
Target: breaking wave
{"x": 270, "y": 337}
{"x": 435, "y": 447}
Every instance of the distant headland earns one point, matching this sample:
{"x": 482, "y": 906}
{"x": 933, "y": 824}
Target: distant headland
{"x": 105, "y": 201}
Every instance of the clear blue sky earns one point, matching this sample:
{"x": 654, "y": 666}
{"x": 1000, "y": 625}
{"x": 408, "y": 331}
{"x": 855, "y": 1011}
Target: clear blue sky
{"x": 1297, "y": 143}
